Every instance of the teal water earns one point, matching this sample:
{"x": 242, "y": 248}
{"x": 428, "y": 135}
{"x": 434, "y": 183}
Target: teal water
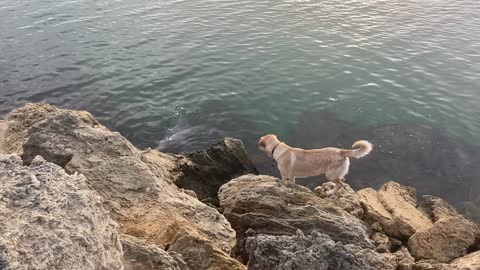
{"x": 179, "y": 75}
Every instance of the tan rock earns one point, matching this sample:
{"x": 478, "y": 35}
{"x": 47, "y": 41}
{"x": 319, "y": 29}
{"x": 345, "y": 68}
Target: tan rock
{"x": 394, "y": 207}
{"x": 401, "y": 202}
{"x": 446, "y": 240}
{"x": 467, "y": 262}
{"x": 437, "y": 208}
{"x": 431, "y": 265}
{"x": 375, "y": 212}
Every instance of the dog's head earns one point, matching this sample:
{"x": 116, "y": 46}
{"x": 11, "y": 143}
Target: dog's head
{"x": 267, "y": 142}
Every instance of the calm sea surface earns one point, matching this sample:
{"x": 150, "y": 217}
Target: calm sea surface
{"x": 179, "y": 75}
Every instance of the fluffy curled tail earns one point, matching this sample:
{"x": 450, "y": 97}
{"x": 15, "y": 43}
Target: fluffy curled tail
{"x": 362, "y": 148}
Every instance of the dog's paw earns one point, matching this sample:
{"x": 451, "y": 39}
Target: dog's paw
{"x": 331, "y": 192}
{"x": 320, "y": 191}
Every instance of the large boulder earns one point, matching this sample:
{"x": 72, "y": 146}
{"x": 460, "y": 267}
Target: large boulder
{"x": 52, "y": 220}
{"x": 394, "y": 207}
{"x": 136, "y": 186}
{"x": 316, "y": 251}
{"x": 267, "y": 205}
{"x": 447, "y": 239}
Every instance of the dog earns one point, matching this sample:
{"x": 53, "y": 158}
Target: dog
{"x": 299, "y": 163}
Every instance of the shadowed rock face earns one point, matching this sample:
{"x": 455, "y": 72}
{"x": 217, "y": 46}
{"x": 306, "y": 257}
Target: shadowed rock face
{"x": 312, "y": 252}
{"x": 205, "y": 171}
{"x": 136, "y": 186}
{"x": 264, "y": 204}
{"x": 52, "y": 220}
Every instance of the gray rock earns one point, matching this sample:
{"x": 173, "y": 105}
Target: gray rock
{"x": 267, "y": 205}
{"x": 316, "y": 251}
{"x": 52, "y": 220}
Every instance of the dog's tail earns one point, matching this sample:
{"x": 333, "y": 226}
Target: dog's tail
{"x": 362, "y": 148}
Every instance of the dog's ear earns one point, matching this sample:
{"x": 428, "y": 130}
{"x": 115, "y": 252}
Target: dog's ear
{"x": 262, "y": 143}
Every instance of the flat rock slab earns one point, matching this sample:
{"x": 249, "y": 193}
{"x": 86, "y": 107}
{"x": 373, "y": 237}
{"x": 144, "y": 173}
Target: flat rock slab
{"x": 394, "y": 207}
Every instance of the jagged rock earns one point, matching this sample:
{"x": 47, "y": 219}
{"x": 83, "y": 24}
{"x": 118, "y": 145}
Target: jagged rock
{"x": 447, "y": 239}
{"x": 437, "y": 208}
{"x": 405, "y": 260}
{"x": 345, "y": 198}
{"x": 52, "y": 220}
{"x": 394, "y": 207}
{"x": 202, "y": 254}
{"x": 205, "y": 171}
{"x": 140, "y": 255}
{"x": 264, "y": 204}
{"x": 137, "y": 186}
{"x": 382, "y": 242}
{"x": 316, "y": 251}
{"x": 15, "y": 127}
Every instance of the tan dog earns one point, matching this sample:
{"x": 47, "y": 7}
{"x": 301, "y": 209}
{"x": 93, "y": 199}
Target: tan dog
{"x": 298, "y": 163}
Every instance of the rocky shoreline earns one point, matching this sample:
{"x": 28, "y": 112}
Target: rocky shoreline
{"x": 75, "y": 195}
